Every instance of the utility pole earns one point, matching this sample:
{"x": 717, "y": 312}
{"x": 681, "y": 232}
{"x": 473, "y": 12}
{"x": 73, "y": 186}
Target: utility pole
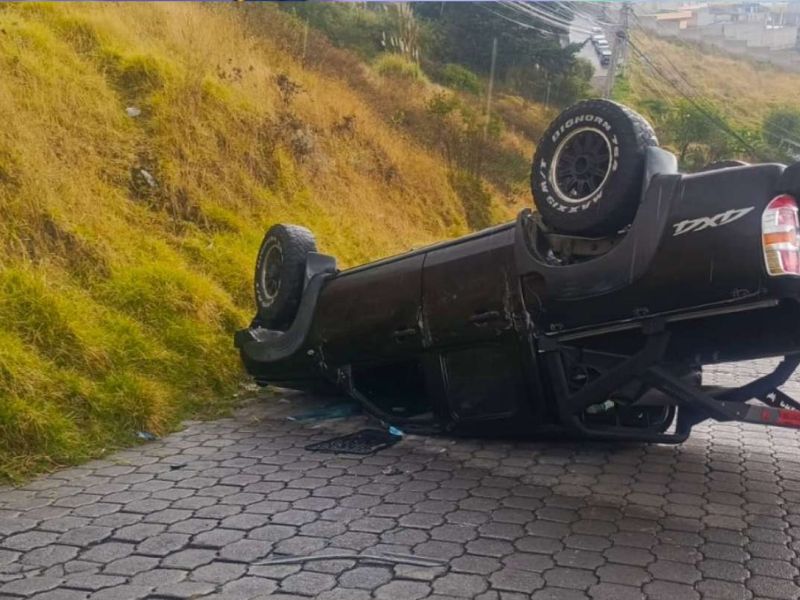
{"x": 490, "y": 91}
{"x": 619, "y": 52}
{"x": 547, "y": 94}
{"x": 305, "y": 42}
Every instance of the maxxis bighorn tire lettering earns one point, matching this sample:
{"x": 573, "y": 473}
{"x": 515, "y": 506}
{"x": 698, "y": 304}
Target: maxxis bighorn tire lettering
{"x": 575, "y": 189}
{"x": 280, "y": 274}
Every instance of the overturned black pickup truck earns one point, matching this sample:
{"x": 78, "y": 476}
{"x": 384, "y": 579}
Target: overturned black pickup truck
{"x": 593, "y": 315}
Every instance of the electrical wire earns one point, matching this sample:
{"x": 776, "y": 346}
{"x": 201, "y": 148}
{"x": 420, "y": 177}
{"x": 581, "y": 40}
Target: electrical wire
{"x": 548, "y": 17}
{"x": 775, "y": 130}
{"x": 712, "y": 118}
{"x": 696, "y": 99}
{"x": 544, "y": 32}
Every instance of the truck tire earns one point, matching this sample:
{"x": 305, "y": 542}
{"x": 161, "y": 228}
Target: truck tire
{"x": 280, "y": 274}
{"x": 587, "y": 171}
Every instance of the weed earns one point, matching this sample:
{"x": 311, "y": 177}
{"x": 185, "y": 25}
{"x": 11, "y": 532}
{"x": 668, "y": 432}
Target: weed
{"x": 399, "y": 67}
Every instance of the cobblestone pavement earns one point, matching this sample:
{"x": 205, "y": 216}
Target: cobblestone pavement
{"x": 193, "y": 514}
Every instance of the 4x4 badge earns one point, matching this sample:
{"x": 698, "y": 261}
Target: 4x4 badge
{"x": 723, "y": 218}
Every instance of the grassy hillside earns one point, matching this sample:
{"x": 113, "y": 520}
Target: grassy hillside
{"x": 745, "y": 90}
{"x": 128, "y": 236}
{"x": 739, "y": 91}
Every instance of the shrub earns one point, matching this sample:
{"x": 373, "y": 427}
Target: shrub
{"x": 460, "y": 78}
{"x": 781, "y": 130}
{"x": 477, "y": 201}
{"x": 398, "y": 67}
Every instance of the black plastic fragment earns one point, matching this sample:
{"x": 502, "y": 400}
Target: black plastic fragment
{"x": 366, "y": 441}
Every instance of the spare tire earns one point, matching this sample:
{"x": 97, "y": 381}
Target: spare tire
{"x": 280, "y": 274}
{"x": 587, "y": 171}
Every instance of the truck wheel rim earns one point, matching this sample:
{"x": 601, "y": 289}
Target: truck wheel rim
{"x": 581, "y": 165}
{"x": 272, "y": 274}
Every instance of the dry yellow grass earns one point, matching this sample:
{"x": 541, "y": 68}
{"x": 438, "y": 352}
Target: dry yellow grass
{"x": 118, "y": 298}
{"x": 745, "y": 91}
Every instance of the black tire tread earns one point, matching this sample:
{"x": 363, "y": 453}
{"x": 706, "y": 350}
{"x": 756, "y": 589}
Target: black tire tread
{"x": 297, "y": 242}
{"x": 620, "y": 213}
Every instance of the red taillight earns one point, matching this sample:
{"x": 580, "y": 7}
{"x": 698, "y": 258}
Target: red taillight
{"x": 779, "y": 236}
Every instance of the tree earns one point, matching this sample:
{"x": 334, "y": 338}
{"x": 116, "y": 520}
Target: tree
{"x": 530, "y": 56}
{"x": 781, "y": 131}
{"x": 700, "y": 135}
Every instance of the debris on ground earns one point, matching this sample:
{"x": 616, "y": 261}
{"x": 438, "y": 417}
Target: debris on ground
{"x": 392, "y": 470}
{"x": 337, "y": 410}
{"x": 395, "y": 558}
{"x": 148, "y": 178}
{"x": 366, "y": 441}
{"x": 395, "y": 431}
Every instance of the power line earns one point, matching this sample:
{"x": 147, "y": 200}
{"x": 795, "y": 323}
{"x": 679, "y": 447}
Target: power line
{"x": 520, "y": 23}
{"x": 547, "y": 16}
{"x": 712, "y": 118}
{"x": 770, "y": 129}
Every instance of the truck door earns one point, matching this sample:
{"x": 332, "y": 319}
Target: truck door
{"x": 469, "y": 302}
{"x": 372, "y": 315}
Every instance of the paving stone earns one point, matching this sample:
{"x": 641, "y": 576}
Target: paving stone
{"x": 62, "y": 594}
{"x": 623, "y": 574}
{"x": 218, "y": 572}
{"x": 460, "y": 585}
{"x": 308, "y": 583}
{"x": 85, "y": 535}
{"x": 516, "y": 580}
{"x": 192, "y": 526}
{"x": 272, "y": 533}
{"x": 490, "y": 547}
{"x": 185, "y": 589}
{"x": 724, "y": 570}
{"x": 771, "y": 587}
{"x": 122, "y": 592}
{"x": 107, "y": 552}
{"x": 367, "y": 578}
{"x": 553, "y": 593}
{"x": 402, "y": 590}
{"x": 48, "y": 556}
{"x": 715, "y": 589}
{"x": 92, "y": 583}
{"x": 667, "y": 590}
{"x": 477, "y": 565}
{"x": 439, "y": 550}
{"x": 340, "y": 593}
{"x": 131, "y": 565}
{"x": 772, "y": 568}
{"x": 567, "y": 577}
{"x": 615, "y": 591}
{"x": 159, "y": 577}
{"x": 245, "y": 551}
{"x": 188, "y": 559}
{"x": 30, "y": 585}
{"x": 674, "y": 571}
{"x": 218, "y": 538}
{"x": 301, "y": 545}
{"x": 581, "y": 559}
{"x": 29, "y": 540}
{"x": 163, "y": 544}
